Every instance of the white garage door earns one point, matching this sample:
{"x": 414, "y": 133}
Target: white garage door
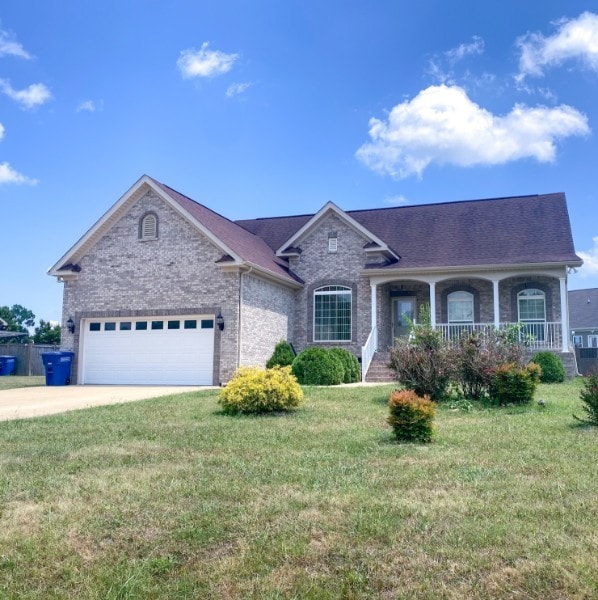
{"x": 151, "y": 350}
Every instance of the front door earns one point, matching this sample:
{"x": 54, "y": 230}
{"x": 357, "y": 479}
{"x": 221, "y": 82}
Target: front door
{"x": 403, "y": 315}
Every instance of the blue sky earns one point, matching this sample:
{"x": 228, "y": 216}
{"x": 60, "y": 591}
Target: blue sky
{"x": 259, "y": 108}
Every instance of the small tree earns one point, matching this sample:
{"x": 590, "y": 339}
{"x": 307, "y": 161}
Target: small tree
{"x": 46, "y": 333}
{"x": 422, "y": 362}
{"x": 283, "y": 355}
{"x": 589, "y": 397}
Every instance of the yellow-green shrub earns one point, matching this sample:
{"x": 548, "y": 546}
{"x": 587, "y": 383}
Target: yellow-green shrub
{"x": 411, "y": 416}
{"x": 255, "y": 390}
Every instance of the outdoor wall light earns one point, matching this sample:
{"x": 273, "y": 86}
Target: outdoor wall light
{"x": 70, "y": 325}
{"x": 220, "y": 321}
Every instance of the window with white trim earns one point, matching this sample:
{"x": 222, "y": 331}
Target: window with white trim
{"x": 148, "y": 229}
{"x": 460, "y": 307}
{"x": 593, "y": 341}
{"x": 332, "y": 314}
{"x": 531, "y": 306}
{"x": 578, "y": 340}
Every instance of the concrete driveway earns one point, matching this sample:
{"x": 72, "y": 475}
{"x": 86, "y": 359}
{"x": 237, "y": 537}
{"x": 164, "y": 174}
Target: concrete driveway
{"x": 21, "y": 403}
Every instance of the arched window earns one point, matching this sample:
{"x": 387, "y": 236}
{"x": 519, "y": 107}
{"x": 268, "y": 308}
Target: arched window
{"x": 460, "y": 307}
{"x": 531, "y": 307}
{"x": 332, "y": 314}
{"x": 148, "y": 227}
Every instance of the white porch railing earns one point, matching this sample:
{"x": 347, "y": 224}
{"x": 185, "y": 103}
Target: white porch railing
{"x": 368, "y": 351}
{"x": 537, "y": 335}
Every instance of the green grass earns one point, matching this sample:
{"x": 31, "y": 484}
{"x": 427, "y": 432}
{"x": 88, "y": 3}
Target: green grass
{"x": 20, "y": 381}
{"x": 169, "y": 498}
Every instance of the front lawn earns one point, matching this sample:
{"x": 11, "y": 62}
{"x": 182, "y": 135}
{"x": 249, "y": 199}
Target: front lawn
{"x": 20, "y": 381}
{"x": 169, "y": 498}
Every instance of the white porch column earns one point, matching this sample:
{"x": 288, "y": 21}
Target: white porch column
{"x": 496, "y": 303}
{"x": 374, "y": 303}
{"x": 564, "y": 314}
{"x": 433, "y": 304}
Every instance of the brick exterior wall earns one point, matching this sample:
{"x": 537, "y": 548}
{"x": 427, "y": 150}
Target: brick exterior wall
{"x": 174, "y": 274}
{"x": 319, "y": 267}
{"x": 266, "y": 318}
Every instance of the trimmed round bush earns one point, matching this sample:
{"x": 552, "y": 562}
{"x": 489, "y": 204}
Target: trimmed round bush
{"x": 254, "y": 390}
{"x": 552, "y": 367}
{"x": 318, "y": 366}
{"x": 411, "y": 416}
{"x": 283, "y": 355}
{"x": 350, "y": 364}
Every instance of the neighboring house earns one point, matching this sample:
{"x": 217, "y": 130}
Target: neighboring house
{"x": 164, "y": 290}
{"x": 583, "y": 318}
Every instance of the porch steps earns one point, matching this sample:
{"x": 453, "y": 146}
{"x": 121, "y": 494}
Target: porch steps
{"x": 378, "y": 371}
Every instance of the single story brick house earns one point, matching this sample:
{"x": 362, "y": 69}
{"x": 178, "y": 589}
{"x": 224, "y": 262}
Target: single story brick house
{"x": 583, "y": 317}
{"x": 163, "y": 290}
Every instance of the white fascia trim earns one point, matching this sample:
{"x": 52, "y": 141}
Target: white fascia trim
{"x": 500, "y": 271}
{"x": 131, "y": 195}
{"x": 331, "y": 207}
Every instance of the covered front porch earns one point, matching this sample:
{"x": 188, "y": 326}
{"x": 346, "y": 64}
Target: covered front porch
{"x": 467, "y": 302}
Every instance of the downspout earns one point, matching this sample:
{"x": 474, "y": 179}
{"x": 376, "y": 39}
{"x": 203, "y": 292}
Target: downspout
{"x": 240, "y": 336}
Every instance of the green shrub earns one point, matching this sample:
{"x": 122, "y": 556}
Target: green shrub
{"x": 422, "y": 362}
{"x": 552, "y": 367}
{"x": 589, "y": 397}
{"x": 477, "y": 357}
{"x": 254, "y": 390}
{"x": 411, "y": 416}
{"x": 350, "y": 364}
{"x": 283, "y": 355}
{"x": 318, "y": 366}
{"x": 516, "y": 385}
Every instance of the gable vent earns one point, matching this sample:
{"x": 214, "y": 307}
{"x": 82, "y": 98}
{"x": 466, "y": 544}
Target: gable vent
{"x": 332, "y": 242}
{"x": 149, "y": 227}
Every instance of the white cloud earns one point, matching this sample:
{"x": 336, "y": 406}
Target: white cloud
{"x": 89, "y": 106}
{"x": 574, "y": 39}
{"x": 442, "y": 125}
{"x": 238, "y": 88}
{"x": 463, "y": 50}
{"x": 590, "y": 260}
{"x": 34, "y": 95}
{"x": 9, "y": 175}
{"x": 10, "y": 47}
{"x": 396, "y": 200}
{"x": 205, "y": 62}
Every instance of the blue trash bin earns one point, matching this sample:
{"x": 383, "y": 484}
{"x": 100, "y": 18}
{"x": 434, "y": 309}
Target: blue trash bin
{"x": 58, "y": 367}
{"x": 8, "y": 365}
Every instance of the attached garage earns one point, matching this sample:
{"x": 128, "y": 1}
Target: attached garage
{"x": 153, "y": 350}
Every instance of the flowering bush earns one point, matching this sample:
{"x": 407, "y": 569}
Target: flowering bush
{"x": 254, "y": 390}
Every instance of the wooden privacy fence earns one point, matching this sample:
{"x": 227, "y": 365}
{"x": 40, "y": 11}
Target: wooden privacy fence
{"x": 29, "y": 357}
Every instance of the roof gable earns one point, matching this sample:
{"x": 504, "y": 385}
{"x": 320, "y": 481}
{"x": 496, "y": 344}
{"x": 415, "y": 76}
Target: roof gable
{"x": 313, "y": 222}
{"x": 241, "y": 246}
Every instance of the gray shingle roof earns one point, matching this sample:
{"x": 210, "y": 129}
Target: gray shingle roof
{"x": 583, "y": 309}
{"x": 498, "y": 231}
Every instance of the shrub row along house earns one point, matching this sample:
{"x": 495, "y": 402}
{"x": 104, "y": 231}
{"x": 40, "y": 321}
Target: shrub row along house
{"x": 163, "y": 290}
